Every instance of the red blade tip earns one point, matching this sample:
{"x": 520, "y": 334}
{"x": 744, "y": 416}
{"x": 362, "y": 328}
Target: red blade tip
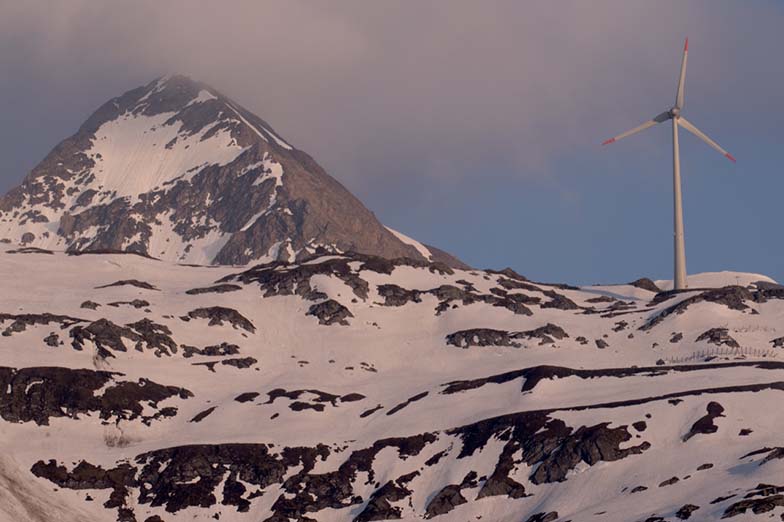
{"x": 729, "y": 157}
{"x": 607, "y": 142}
{"x": 686, "y": 47}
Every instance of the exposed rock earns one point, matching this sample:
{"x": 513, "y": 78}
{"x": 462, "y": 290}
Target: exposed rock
{"x": 396, "y": 296}
{"x": 202, "y": 414}
{"x": 733, "y": 297}
{"x": 246, "y": 397}
{"x": 646, "y": 284}
{"x": 330, "y": 312}
{"x": 20, "y": 322}
{"x": 130, "y": 282}
{"x": 490, "y": 337}
{"x": 136, "y": 303}
{"x": 559, "y": 301}
{"x": 379, "y": 506}
{"x": 481, "y": 337}
{"x": 719, "y": 337}
{"x": 705, "y": 425}
{"x": 219, "y": 314}
{"x": 402, "y": 405}
{"x": 444, "y": 501}
{"x": 756, "y": 505}
{"x": 37, "y": 394}
{"x": 543, "y": 517}
{"x": 215, "y": 289}
{"x": 53, "y": 340}
{"x": 684, "y": 513}
{"x": 90, "y": 305}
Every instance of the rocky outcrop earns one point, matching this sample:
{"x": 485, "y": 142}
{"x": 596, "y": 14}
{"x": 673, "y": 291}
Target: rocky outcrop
{"x": 38, "y": 394}
{"x": 719, "y": 337}
{"x": 491, "y": 337}
{"x": 108, "y": 337}
{"x": 330, "y": 312}
{"x": 705, "y": 425}
{"x": 217, "y": 315}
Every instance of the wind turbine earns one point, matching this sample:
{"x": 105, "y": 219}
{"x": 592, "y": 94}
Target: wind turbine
{"x": 678, "y": 120}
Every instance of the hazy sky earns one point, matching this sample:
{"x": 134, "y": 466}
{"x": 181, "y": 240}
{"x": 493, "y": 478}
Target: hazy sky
{"x": 470, "y": 125}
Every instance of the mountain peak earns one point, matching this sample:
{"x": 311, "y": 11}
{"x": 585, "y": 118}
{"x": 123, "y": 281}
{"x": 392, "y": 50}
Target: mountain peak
{"x": 176, "y": 170}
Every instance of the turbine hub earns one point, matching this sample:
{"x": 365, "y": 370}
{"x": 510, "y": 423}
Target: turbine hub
{"x": 675, "y": 112}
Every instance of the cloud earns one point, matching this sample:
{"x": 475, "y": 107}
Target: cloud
{"x": 439, "y": 89}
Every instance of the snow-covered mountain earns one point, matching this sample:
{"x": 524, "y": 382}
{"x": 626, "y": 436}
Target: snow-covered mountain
{"x": 180, "y": 172}
{"x": 357, "y": 388}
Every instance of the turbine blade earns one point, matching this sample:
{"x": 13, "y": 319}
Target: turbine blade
{"x": 686, "y": 124}
{"x": 679, "y": 99}
{"x": 650, "y": 123}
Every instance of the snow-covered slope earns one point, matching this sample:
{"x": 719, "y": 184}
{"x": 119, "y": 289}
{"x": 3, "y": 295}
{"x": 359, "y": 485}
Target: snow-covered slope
{"x": 355, "y": 388}
{"x": 180, "y": 172}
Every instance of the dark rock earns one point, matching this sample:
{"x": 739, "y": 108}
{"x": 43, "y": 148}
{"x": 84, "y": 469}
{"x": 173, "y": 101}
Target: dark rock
{"x": 543, "y": 517}
{"x": 20, "y": 322}
{"x": 646, "y": 284}
{"x": 396, "y": 296}
{"x": 330, "y": 312}
{"x": 136, "y": 303}
{"x": 130, "y": 282}
{"x": 733, "y": 297}
{"x": 202, "y": 414}
{"x": 246, "y": 397}
{"x": 684, "y": 513}
{"x": 619, "y": 326}
{"x": 757, "y": 506}
{"x": 215, "y": 289}
{"x": 402, "y": 405}
{"x": 705, "y": 425}
{"x": 481, "y": 337}
{"x": 90, "y": 305}
{"x": 221, "y": 349}
{"x": 719, "y": 337}
{"x": 601, "y": 344}
{"x": 37, "y": 394}
{"x": 379, "y": 505}
{"x": 559, "y": 301}
{"x": 370, "y": 412}
{"x": 444, "y": 501}
{"x": 217, "y": 315}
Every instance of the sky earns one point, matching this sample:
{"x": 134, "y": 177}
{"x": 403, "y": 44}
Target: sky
{"x": 472, "y": 126}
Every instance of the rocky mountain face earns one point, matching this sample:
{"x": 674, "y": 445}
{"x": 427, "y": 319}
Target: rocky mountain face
{"x": 177, "y": 171}
{"x": 356, "y": 388}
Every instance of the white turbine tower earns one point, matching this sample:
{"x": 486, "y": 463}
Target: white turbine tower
{"x": 678, "y": 120}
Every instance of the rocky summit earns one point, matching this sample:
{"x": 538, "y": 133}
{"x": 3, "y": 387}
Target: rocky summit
{"x": 352, "y": 387}
{"x": 177, "y": 171}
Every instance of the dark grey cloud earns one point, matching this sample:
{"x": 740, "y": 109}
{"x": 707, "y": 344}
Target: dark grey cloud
{"x": 406, "y": 102}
